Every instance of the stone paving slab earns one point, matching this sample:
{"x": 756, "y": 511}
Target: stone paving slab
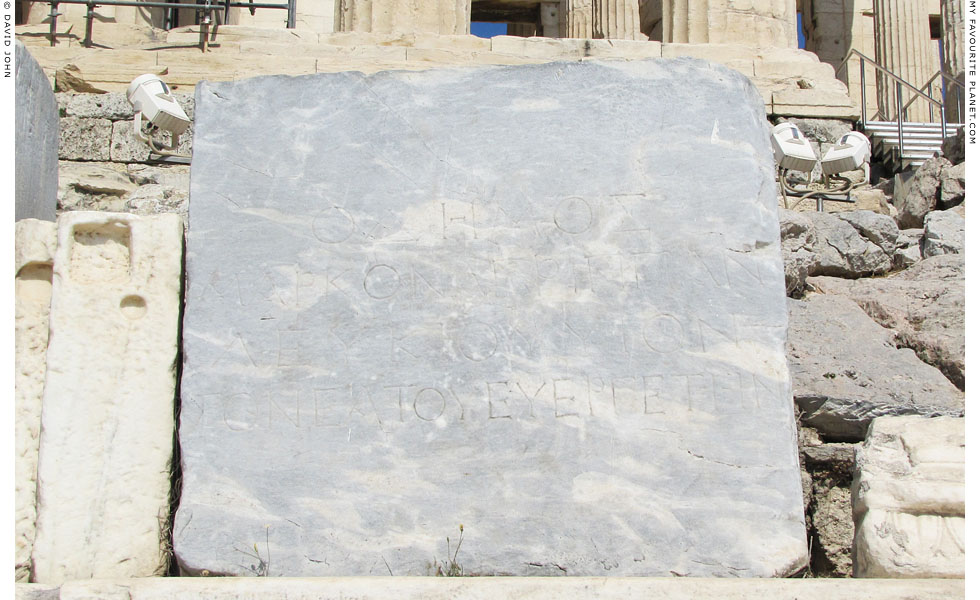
{"x": 500, "y": 588}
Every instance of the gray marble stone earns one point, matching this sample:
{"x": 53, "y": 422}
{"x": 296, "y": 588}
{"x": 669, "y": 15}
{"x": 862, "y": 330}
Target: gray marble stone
{"x": 542, "y": 302}
{"x": 36, "y": 140}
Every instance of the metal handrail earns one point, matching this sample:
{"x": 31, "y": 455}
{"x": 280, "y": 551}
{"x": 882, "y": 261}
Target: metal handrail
{"x": 882, "y": 69}
{"x": 899, "y": 82}
{"x": 946, "y": 78}
{"x": 206, "y": 7}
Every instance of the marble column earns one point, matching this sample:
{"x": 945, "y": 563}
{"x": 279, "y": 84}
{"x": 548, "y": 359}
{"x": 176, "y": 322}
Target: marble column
{"x": 575, "y": 19}
{"x": 757, "y": 23}
{"x": 549, "y": 20}
{"x": 522, "y": 29}
{"x": 953, "y": 63}
{"x": 903, "y": 46}
{"x": 446, "y": 17}
{"x": 616, "y": 20}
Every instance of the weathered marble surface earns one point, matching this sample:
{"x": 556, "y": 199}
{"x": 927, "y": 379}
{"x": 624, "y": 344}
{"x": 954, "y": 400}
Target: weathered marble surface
{"x": 34, "y": 248}
{"x": 107, "y": 425}
{"x": 36, "y": 137}
{"x": 909, "y": 499}
{"x": 503, "y": 588}
{"x": 545, "y": 302}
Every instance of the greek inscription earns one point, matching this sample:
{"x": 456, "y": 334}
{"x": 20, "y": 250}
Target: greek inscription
{"x": 664, "y": 334}
{"x": 573, "y": 215}
{"x": 418, "y": 281}
{"x": 531, "y": 398}
{"x": 333, "y": 225}
{"x": 624, "y": 397}
{"x": 429, "y": 404}
{"x": 233, "y": 352}
{"x": 291, "y": 352}
{"x": 497, "y": 408}
{"x": 477, "y": 341}
{"x": 454, "y": 216}
{"x": 382, "y": 281}
{"x": 238, "y": 412}
{"x": 651, "y": 394}
{"x": 648, "y": 396}
{"x": 401, "y": 398}
{"x": 700, "y": 392}
{"x": 564, "y": 400}
{"x": 712, "y": 336}
{"x": 290, "y": 411}
{"x": 330, "y": 404}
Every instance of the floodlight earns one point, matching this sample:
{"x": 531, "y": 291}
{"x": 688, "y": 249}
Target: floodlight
{"x": 792, "y": 149}
{"x": 152, "y": 99}
{"x": 850, "y": 153}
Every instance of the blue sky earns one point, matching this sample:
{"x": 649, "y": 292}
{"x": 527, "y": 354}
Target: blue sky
{"x": 486, "y": 30}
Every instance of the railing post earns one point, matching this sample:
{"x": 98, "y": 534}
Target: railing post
{"x": 901, "y": 131}
{"x": 929, "y": 93}
{"x": 54, "y": 22}
{"x": 864, "y": 100}
{"x": 89, "y": 16}
{"x": 291, "y": 14}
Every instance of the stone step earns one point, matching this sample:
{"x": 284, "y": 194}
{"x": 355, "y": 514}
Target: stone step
{"x": 498, "y": 588}
{"x": 792, "y": 82}
{"x": 910, "y": 126}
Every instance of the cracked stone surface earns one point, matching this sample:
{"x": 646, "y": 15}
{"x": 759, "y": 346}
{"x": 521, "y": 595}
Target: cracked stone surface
{"x": 847, "y": 370}
{"x": 924, "y": 305}
{"x": 419, "y": 302}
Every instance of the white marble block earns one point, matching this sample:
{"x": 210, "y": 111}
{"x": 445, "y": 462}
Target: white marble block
{"x": 908, "y": 497}
{"x": 34, "y": 245}
{"x": 108, "y": 418}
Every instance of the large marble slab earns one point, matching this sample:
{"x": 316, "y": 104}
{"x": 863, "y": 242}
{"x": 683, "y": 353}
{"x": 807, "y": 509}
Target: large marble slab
{"x": 544, "y": 302}
{"x": 36, "y": 139}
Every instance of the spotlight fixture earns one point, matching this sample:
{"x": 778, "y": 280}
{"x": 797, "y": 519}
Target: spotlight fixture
{"x": 792, "y": 149}
{"x": 153, "y": 101}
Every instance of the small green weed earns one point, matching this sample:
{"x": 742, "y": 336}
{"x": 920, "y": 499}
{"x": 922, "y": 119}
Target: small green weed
{"x": 451, "y": 568}
{"x": 262, "y": 568}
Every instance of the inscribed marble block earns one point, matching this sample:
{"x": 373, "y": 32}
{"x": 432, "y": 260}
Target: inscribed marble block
{"x": 544, "y": 303}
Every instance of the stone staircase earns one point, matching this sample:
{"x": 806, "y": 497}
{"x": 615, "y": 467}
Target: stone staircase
{"x": 920, "y": 142}
{"x": 791, "y": 82}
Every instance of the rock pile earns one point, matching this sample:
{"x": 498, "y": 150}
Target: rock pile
{"x": 876, "y": 311}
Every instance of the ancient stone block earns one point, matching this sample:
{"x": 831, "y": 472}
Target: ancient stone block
{"x": 37, "y": 591}
{"x": 36, "y": 138}
{"x": 847, "y": 370}
{"x": 923, "y": 304}
{"x": 93, "y": 186}
{"x": 108, "y": 419}
{"x": 34, "y": 246}
{"x": 126, "y": 147}
{"x": 916, "y": 196}
{"x": 553, "y": 49}
{"x": 393, "y": 329}
{"x": 84, "y": 139}
{"x": 909, "y": 491}
{"x": 502, "y": 588}
{"x": 952, "y": 186}
{"x": 944, "y": 232}
{"x": 113, "y": 106}
{"x": 853, "y": 244}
